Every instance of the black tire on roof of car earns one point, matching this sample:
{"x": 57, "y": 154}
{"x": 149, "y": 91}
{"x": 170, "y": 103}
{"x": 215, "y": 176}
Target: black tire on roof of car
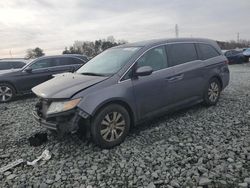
{"x": 97, "y": 125}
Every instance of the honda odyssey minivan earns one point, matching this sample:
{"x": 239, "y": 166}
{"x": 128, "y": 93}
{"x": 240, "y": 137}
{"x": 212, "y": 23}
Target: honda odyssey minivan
{"x": 130, "y": 83}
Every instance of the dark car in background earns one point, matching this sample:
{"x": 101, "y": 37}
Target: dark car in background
{"x": 20, "y": 81}
{"x": 235, "y": 56}
{"x": 246, "y": 53}
{"x": 130, "y": 83}
{"x": 6, "y": 64}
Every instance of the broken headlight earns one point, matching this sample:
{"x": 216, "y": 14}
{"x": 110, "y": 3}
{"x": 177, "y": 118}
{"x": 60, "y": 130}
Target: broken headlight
{"x": 56, "y": 107}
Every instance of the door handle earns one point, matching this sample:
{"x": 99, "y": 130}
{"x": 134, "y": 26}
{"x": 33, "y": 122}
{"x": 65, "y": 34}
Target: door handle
{"x": 175, "y": 78}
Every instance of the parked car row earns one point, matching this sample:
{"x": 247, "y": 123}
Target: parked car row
{"x": 130, "y": 83}
{"x": 20, "y": 81}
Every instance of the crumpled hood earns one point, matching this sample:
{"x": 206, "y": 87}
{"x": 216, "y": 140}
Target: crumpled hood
{"x": 65, "y": 85}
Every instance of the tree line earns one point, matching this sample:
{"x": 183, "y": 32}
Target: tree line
{"x": 233, "y": 44}
{"x": 93, "y": 48}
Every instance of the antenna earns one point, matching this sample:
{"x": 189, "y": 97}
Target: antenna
{"x": 238, "y": 37}
{"x": 176, "y": 31}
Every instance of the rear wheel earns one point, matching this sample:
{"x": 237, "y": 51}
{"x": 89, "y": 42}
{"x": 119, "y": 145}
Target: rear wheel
{"x": 7, "y": 92}
{"x": 110, "y": 126}
{"x": 212, "y": 93}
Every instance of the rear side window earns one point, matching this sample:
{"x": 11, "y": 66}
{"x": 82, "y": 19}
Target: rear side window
{"x": 5, "y": 65}
{"x": 155, "y": 58}
{"x": 181, "y": 53}
{"x": 206, "y": 51}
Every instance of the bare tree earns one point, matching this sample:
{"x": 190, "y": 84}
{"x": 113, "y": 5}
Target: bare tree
{"x": 34, "y": 53}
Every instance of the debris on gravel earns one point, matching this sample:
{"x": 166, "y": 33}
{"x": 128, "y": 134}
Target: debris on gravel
{"x": 195, "y": 147}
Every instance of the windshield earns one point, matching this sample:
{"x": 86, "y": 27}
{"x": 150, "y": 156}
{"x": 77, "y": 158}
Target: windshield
{"x": 108, "y": 62}
{"x": 28, "y": 63}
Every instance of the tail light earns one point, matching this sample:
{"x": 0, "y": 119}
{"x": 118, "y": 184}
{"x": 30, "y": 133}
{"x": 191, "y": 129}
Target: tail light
{"x": 226, "y": 62}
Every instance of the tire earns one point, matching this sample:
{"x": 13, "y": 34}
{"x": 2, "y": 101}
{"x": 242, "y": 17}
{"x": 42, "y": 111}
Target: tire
{"x": 110, "y": 126}
{"x": 212, "y": 92}
{"x": 7, "y": 92}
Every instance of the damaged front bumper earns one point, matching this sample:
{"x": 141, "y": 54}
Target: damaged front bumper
{"x": 61, "y": 122}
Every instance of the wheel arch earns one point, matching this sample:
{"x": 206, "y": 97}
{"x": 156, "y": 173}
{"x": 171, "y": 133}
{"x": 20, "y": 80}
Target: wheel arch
{"x": 218, "y": 78}
{"x": 9, "y": 83}
{"x": 119, "y": 102}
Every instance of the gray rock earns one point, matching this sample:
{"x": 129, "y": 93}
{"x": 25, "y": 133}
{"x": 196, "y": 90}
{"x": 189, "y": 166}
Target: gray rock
{"x": 151, "y": 185}
{"x": 247, "y": 180}
{"x": 243, "y": 185}
{"x": 58, "y": 177}
{"x": 49, "y": 181}
{"x": 204, "y": 181}
{"x": 43, "y": 185}
{"x": 175, "y": 184}
{"x": 10, "y": 177}
{"x": 7, "y": 173}
{"x": 230, "y": 160}
{"x": 94, "y": 167}
{"x": 155, "y": 175}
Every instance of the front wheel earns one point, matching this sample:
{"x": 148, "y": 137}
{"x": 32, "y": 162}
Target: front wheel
{"x": 7, "y": 92}
{"x": 110, "y": 126}
{"x": 212, "y": 93}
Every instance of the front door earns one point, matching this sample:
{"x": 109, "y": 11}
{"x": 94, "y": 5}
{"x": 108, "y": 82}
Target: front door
{"x": 40, "y": 72}
{"x": 150, "y": 90}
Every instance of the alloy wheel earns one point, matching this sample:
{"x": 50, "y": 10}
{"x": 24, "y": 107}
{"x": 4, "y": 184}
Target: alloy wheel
{"x": 213, "y": 91}
{"x": 112, "y": 126}
{"x": 6, "y": 93}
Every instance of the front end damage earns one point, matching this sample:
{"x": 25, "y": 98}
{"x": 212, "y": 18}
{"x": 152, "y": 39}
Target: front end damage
{"x": 62, "y": 122}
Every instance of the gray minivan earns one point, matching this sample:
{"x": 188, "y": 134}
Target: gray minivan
{"x": 130, "y": 83}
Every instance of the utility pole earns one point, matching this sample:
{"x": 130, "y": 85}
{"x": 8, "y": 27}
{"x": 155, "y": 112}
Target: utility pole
{"x": 176, "y": 31}
{"x": 238, "y": 37}
{"x": 10, "y": 53}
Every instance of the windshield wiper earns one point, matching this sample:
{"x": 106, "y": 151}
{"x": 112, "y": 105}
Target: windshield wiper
{"x": 92, "y": 74}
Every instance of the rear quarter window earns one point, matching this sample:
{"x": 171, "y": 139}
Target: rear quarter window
{"x": 206, "y": 51}
{"x": 181, "y": 53}
{"x": 5, "y": 65}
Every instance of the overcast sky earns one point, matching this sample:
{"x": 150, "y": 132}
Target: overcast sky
{"x": 54, "y": 24}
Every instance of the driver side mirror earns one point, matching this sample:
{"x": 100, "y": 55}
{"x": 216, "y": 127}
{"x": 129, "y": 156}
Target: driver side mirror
{"x": 144, "y": 71}
{"x": 28, "y": 69}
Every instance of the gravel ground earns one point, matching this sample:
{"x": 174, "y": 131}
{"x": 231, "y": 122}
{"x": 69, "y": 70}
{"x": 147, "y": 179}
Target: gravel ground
{"x": 195, "y": 147}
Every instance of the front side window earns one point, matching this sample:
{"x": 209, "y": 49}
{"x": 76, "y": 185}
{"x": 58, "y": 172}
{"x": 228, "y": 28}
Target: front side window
{"x": 108, "y": 62}
{"x": 155, "y": 58}
{"x": 18, "y": 64}
{"x": 44, "y": 63}
{"x": 207, "y": 51}
{"x": 181, "y": 53}
{"x": 78, "y": 61}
